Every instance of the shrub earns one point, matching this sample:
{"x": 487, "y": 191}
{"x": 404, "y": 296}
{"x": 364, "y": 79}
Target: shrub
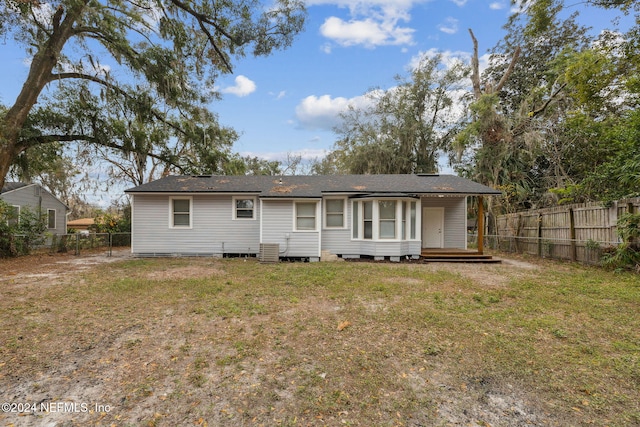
{"x": 19, "y": 234}
{"x": 627, "y": 254}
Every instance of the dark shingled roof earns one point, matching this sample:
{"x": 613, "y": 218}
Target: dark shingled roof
{"x": 316, "y": 185}
{"x": 10, "y": 186}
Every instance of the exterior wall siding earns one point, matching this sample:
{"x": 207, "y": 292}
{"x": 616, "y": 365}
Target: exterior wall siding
{"x": 28, "y": 197}
{"x": 213, "y": 230}
{"x": 277, "y": 224}
{"x": 455, "y": 219}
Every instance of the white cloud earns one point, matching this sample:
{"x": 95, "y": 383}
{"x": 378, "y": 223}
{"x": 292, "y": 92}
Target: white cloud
{"x": 369, "y": 32}
{"x": 497, "y": 5}
{"x": 279, "y": 95}
{"x": 372, "y": 23}
{"x": 323, "y": 112}
{"x": 460, "y": 2}
{"x": 243, "y": 87}
{"x": 450, "y": 26}
{"x": 448, "y": 57}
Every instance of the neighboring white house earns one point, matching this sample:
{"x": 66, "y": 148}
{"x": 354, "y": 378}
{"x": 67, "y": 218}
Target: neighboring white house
{"x": 347, "y": 215}
{"x": 20, "y": 196}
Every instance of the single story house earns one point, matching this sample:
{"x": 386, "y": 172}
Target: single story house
{"x": 33, "y": 196}
{"x": 345, "y": 215}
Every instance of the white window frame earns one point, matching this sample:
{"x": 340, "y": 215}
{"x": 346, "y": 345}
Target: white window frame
{"x": 326, "y": 213}
{"x": 393, "y": 220}
{"x": 295, "y": 216}
{"x": 171, "y": 213}
{"x": 17, "y": 219}
{"x": 235, "y": 208}
{"x": 49, "y": 219}
{"x": 358, "y": 217}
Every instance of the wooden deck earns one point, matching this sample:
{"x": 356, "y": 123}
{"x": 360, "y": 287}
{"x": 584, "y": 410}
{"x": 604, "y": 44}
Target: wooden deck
{"x": 456, "y": 255}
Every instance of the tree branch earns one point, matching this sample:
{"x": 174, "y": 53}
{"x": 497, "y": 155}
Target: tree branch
{"x": 475, "y": 67}
{"x": 46, "y": 139}
{"x": 509, "y": 70}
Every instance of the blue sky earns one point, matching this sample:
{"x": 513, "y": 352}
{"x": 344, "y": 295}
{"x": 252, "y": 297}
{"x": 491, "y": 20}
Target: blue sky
{"x": 289, "y": 102}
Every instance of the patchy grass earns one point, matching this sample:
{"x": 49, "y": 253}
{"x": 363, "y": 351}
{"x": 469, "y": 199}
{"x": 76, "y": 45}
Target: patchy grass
{"x": 234, "y": 342}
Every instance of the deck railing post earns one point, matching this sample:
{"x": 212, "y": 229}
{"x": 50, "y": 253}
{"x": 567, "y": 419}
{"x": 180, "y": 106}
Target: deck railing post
{"x": 480, "y": 225}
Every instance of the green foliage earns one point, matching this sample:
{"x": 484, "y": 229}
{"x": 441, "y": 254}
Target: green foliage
{"x": 627, "y": 254}
{"x": 403, "y": 129}
{"x": 165, "y": 57}
{"x": 112, "y": 223}
{"x": 19, "y": 234}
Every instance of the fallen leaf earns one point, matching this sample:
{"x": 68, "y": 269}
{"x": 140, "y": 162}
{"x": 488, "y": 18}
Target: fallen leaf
{"x": 343, "y": 325}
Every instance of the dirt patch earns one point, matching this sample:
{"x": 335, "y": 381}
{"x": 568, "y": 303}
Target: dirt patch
{"x": 46, "y": 269}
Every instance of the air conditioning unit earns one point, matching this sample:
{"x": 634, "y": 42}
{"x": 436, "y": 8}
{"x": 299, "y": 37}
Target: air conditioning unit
{"x": 269, "y": 252}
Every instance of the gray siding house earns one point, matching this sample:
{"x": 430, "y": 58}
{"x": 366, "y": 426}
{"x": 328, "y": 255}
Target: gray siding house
{"x": 20, "y": 196}
{"x": 347, "y": 215}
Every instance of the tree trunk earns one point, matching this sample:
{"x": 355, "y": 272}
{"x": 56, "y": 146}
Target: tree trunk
{"x": 40, "y": 73}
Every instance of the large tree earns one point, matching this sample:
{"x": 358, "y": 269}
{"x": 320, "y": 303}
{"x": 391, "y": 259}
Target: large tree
{"x": 138, "y": 51}
{"x": 519, "y": 101}
{"x": 405, "y": 128}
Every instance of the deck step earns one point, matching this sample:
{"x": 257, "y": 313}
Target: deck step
{"x": 456, "y": 256}
{"x": 482, "y": 260}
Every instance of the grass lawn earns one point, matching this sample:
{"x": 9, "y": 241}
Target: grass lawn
{"x": 176, "y": 342}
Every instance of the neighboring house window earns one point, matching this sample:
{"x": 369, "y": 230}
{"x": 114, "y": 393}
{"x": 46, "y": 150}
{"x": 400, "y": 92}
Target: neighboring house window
{"x": 306, "y": 216}
{"x": 51, "y": 218}
{"x": 334, "y": 213}
{"x": 244, "y": 208}
{"x": 181, "y": 212}
{"x": 13, "y": 218}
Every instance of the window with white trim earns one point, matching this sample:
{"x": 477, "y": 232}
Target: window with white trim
{"x": 244, "y": 207}
{"x": 384, "y": 219}
{"x": 367, "y": 220}
{"x": 334, "y": 213}
{"x": 13, "y": 217}
{"x": 180, "y": 212}
{"x": 387, "y": 219}
{"x": 51, "y": 218}
{"x": 355, "y": 220}
{"x": 306, "y": 216}
{"x": 412, "y": 220}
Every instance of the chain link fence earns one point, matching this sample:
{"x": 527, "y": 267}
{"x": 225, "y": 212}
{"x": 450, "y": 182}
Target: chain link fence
{"x": 75, "y": 243}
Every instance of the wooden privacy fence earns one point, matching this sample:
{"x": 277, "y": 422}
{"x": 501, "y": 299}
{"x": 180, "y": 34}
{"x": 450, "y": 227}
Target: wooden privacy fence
{"x": 576, "y": 232}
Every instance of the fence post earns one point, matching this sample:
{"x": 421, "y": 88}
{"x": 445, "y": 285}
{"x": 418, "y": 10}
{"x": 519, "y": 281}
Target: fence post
{"x": 110, "y": 243}
{"x": 77, "y": 244}
{"x": 572, "y": 235}
{"x": 539, "y": 235}
{"x": 480, "y": 225}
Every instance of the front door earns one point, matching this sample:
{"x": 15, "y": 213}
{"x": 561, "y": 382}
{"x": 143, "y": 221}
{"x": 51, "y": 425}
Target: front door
{"x": 432, "y": 227}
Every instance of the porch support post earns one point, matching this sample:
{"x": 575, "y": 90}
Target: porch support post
{"x": 480, "y": 226}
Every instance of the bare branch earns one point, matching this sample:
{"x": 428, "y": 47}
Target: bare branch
{"x": 475, "y": 67}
